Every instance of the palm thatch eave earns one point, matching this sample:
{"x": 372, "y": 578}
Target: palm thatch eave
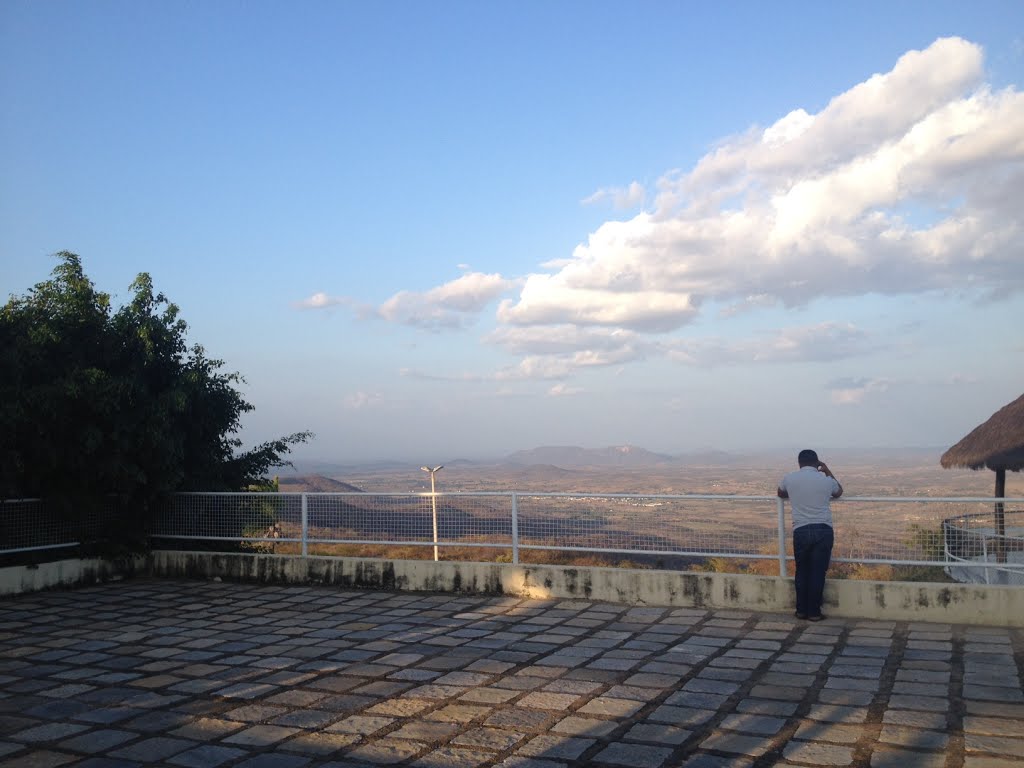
{"x": 997, "y": 444}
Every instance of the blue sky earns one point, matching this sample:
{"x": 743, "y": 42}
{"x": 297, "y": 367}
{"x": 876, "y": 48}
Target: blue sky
{"x": 437, "y": 230}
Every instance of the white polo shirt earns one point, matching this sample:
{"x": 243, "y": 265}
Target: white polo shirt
{"x": 810, "y": 492}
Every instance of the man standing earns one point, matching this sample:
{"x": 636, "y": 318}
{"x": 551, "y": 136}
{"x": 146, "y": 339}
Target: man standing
{"x": 809, "y": 490}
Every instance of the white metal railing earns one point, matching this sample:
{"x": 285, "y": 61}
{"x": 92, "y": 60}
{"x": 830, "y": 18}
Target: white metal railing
{"x": 30, "y": 525}
{"x": 977, "y": 554}
{"x": 955, "y": 533}
{"x": 679, "y": 529}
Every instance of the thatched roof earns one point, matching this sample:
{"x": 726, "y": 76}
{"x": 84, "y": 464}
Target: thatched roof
{"x": 996, "y": 444}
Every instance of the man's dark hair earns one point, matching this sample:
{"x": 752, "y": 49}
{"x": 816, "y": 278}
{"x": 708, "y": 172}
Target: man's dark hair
{"x": 807, "y": 458}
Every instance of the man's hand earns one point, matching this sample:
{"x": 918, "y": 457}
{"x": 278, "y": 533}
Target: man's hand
{"x": 823, "y": 467}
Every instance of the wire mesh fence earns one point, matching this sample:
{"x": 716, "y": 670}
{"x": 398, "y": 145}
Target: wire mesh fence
{"x": 30, "y": 525}
{"x": 668, "y": 526}
{"x": 954, "y": 536}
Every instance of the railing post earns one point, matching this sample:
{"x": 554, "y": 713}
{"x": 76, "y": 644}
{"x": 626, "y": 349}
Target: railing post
{"x": 515, "y": 528}
{"x": 305, "y": 525}
{"x": 984, "y": 551}
{"x": 780, "y": 508}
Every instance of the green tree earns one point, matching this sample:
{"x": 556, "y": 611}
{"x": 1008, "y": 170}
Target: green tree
{"x": 95, "y": 402}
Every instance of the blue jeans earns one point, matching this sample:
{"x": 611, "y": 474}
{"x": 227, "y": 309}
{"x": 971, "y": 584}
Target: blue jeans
{"x": 812, "y": 550}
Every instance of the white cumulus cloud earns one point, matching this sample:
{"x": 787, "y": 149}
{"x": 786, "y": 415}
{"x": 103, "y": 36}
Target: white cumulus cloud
{"x": 852, "y": 391}
{"x": 821, "y": 342}
{"x": 322, "y": 300}
{"x": 447, "y": 306}
{"x": 359, "y": 400}
{"x": 907, "y": 182}
{"x": 563, "y": 390}
{"x": 621, "y": 198}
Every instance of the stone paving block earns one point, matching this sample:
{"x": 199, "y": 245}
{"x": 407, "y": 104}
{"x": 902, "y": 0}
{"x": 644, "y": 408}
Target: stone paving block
{"x": 555, "y": 747}
{"x": 385, "y": 751}
{"x": 47, "y": 732}
{"x": 780, "y": 679}
{"x": 488, "y": 695}
{"x": 652, "y": 680}
{"x": 905, "y": 758}
{"x": 207, "y": 729}
{"x": 296, "y": 698}
{"x": 324, "y": 658}
{"x": 97, "y": 741}
{"x": 154, "y": 749}
{"x": 696, "y": 700}
{"x": 780, "y": 692}
{"x": 767, "y": 707}
{"x": 913, "y": 737}
{"x": 458, "y": 713}
{"x": 254, "y": 713}
{"x": 520, "y": 761}
{"x": 453, "y": 757}
{"x": 337, "y": 683}
{"x": 42, "y": 758}
{"x": 716, "y": 761}
{"x": 58, "y": 710}
{"x": 524, "y": 720}
{"x": 994, "y": 726}
{"x": 659, "y": 734}
{"x": 274, "y": 760}
{"x": 400, "y": 707}
{"x": 993, "y": 693}
{"x": 609, "y": 707}
{"x": 206, "y": 756}
{"x": 760, "y": 725}
{"x": 852, "y": 684}
{"x": 923, "y": 676}
{"x": 261, "y": 735}
{"x": 839, "y": 733}
{"x": 543, "y": 700}
{"x": 926, "y": 703}
{"x": 997, "y": 745}
{"x": 7, "y": 747}
{"x": 633, "y": 755}
{"x": 425, "y": 731}
{"x": 631, "y": 692}
{"x": 578, "y": 687}
{"x": 719, "y": 687}
{"x": 994, "y": 709}
{"x": 981, "y": 761}
{"x": 362, "y": 725}
{"x": 680, "y": 715}
{"x": 818, "y": 754}
{"x": 737, "y": 743}
{"x": 832, "y": 713}
{"x": 319, "y": 743}
{"x": 159, "y": 721}
{"x": 495, "y": 739}
{"x": 846, "y": 698}
{"x": 306, "y": 718}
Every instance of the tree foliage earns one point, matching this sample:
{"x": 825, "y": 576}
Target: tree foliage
{"x": 96, "y": 401}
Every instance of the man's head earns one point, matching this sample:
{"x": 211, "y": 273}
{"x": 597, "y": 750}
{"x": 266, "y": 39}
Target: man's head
{"x": 807, "y": 458}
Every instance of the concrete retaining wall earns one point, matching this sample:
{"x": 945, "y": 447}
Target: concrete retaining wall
{"x": 883, "y": 600}
{"x": 21, "y": 579}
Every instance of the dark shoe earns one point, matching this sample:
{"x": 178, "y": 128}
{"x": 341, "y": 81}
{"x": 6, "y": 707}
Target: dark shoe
{"x": 819, "y": 617}
{"x": 801, "y": 616}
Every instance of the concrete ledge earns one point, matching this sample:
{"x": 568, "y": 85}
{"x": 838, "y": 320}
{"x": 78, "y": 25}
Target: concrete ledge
{"x": 20, "y": 579}
{"x": 1000, "y": 606}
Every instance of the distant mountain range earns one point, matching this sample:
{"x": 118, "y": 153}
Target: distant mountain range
{"x": 575, "y": 456}
{"x": 314, "y": 484}
{"x": 554, "y": 457}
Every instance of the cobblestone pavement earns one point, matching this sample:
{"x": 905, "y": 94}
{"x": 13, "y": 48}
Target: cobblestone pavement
{"x": 198, "y": 674}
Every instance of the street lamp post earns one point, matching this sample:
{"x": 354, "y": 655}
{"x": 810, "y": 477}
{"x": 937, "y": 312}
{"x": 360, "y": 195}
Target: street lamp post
{"x": 433, "y": 501}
